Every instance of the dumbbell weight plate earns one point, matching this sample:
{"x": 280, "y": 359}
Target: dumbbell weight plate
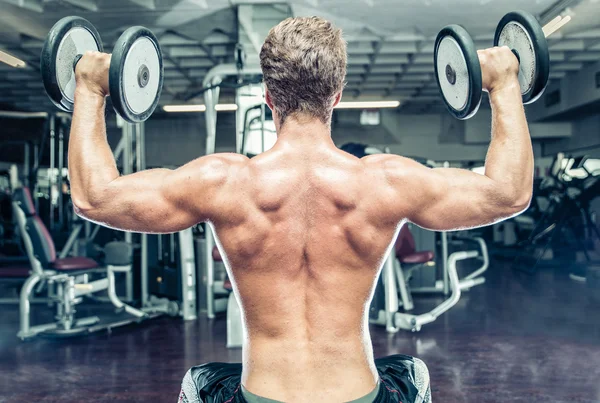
{"x": 136, "y": 74}
{"x": 457, "y": 71}
{"x": 522, "y": 33}
{"x": 69, "y": 37}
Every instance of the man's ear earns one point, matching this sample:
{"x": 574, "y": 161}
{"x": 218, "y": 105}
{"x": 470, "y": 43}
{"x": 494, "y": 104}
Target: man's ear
{"x": 338, "y": 98}
{"x": 268, "y": 99}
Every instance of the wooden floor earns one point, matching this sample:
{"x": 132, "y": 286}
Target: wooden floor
{"x": 515, "y": 339}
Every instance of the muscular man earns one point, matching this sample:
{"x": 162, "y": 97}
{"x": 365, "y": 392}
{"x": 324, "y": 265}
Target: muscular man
{"x": 304, "y": 227}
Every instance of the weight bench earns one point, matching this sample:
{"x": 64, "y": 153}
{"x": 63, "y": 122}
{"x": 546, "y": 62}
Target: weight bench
{"x": 69, "y": 278}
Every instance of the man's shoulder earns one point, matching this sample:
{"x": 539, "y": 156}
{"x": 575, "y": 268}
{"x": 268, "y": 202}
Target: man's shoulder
{"x": 228, "y": 158}
{"x": 390, "y": 165}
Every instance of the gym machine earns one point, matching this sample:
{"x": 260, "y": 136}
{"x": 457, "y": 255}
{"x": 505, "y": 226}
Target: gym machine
{"x": 565, "y": 226}
{"x": 394, "y": 288}
{"x": 68, "y": 279}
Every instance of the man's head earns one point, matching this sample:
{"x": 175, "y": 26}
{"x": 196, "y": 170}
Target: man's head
{"x": 304, "y": 66}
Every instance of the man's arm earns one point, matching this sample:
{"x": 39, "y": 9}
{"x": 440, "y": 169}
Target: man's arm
{"x": 157, "y": 200}
{"x": 447, "y": 199}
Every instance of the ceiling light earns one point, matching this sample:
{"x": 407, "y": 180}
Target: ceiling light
{"x": 199, "y": 108}
{"x": 226, "y": 107}
{"x": 11, "y": 60}
{"x": 184, "y": 108}
{"x": 368, "y": 105}
{"x": 557, "y": 26}
{"x": 546, "y": 28}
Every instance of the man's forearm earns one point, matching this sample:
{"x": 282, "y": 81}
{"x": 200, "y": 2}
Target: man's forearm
{"x": 510, "y": 157}
{"x": 91, "y": 162}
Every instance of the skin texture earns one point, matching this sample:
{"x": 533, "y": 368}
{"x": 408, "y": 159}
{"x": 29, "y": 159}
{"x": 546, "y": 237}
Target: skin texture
{"x": 304, "y": 227}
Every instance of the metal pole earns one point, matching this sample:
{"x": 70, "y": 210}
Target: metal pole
{"x": 71, "y": 241}
{"x": 188, "y": 275}
{"x": 211, "y": 98}
{"x": 445, "y": 254}
{"x": 88, "y": 231}
{"x": 26, "y": 160}
{"x": 262, "y": 126}
{"x": 36, "y": 153}
{"x": 138, "y": 133}
{"x": 51, "y": 177}
{"x": 444, "y": 236}
{"x": 128, "y": 137}
{"x": 144, "y": 270}
{"x": 141, "y": 165}
{"x": 61, "y": 164}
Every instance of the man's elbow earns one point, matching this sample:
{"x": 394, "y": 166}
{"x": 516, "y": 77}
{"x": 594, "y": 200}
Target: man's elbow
{"x": 82, "y": 207}
{"x": 87, "y": 206}
{"x": 520, "y": 201}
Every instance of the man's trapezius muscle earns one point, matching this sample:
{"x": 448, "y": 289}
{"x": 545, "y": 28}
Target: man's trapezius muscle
{"x": 304, "y": 228}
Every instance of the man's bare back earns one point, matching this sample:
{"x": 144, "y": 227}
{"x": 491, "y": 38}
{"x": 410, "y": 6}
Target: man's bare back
{"x": 304, "y": 227}
{"x": 304, "y": 249}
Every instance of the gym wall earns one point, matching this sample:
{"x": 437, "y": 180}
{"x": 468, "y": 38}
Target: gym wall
{"x": 585, "y": 138}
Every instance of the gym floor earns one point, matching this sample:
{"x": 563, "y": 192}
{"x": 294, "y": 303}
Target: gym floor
{"x": 517, "y": 338}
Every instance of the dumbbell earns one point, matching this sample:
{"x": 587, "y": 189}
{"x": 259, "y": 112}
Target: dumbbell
{"x": 136, "y": 68}
{"x": 458, "y": 71}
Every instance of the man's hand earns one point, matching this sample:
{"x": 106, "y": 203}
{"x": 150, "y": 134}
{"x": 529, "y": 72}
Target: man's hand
{"x": 499, "y": 68}
{"x": 91, "y": 73}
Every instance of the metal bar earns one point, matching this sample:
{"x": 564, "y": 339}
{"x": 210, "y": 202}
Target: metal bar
{"x": 262, "y": 126}
{"x": 24, "y": 306}
{"x": 141, "y": 161}
{"x": 486, "y": 260}
{"x": 119, "y": 149}
{"x": 453, "y": 275}
{"x": 52, "y": 178}
{"x": 210, "y": 273}
{"x": 391, "y": 293}
{"x": 126, "y": 138}
{"x": 112, "y": 294}
{"x": 224, "y": 70}
{"x": 23, "y": 115}
{"x": 172, "y": 248}
{"x": 415, "y": 322}
{"x": 444, "y": 237}
{"x": 211, "y": 98}
{"x": 61, "y": 164}
{"x": 128, "y": 158}
{"x": 26, "y": 163}
{"x": 71, "y": 241}
{"x": 88, "y": 230}
{"x": 36, "y": 153}
{"x": 89, "y": 288}
{"x": 188, "y": 275}
{"x": 94, "y": 233}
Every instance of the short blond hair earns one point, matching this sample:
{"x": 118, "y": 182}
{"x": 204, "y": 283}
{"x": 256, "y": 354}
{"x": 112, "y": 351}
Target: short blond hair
{"x": 303, "y": 61}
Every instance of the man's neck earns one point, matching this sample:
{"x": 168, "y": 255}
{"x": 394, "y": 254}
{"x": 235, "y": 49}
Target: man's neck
{"x": 299, "y": 131}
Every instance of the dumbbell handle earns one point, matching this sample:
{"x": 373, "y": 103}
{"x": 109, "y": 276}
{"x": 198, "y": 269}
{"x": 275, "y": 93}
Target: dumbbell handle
{"x": 76, "y": 60}
{"x": 516, "y": 55}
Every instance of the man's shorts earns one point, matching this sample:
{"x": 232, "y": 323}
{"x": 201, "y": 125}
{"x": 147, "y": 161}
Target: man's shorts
{"x": 402, "y": 379}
